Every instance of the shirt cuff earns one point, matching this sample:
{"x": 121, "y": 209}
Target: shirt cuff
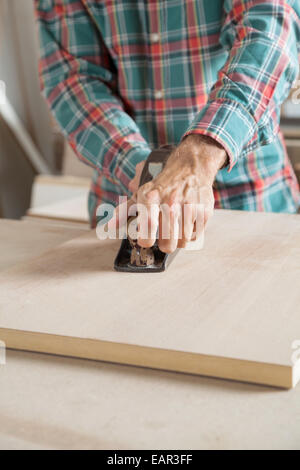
{"x": 229, "y": 123}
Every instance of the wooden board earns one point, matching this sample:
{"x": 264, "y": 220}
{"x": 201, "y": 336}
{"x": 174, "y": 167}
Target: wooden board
{"x": 230, "y": 311}
{"x": 74, "y": 209}
{"x": 136, "y": 403}
{"x": 51, "y": 189}
{"x": 21, "y": 241}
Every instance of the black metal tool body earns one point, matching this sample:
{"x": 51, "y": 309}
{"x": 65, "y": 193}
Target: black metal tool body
{"x": 153, "y": 166}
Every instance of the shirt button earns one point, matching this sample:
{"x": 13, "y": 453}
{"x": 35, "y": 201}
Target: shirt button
{"x": 158, "y": 94}
{"x": 154, "y": 37}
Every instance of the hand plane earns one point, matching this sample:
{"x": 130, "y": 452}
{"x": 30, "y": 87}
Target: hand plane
{"x": 131, "y": 257}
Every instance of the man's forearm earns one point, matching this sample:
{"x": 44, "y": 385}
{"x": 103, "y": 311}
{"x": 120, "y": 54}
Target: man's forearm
{"x": 261, "y": 37}
{"x": 79, "y": 89}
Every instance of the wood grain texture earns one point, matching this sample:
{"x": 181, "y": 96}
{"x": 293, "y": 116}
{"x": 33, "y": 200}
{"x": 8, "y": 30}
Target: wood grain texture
{"x": 230, "y": 311}
{"x": 21, "y": 241}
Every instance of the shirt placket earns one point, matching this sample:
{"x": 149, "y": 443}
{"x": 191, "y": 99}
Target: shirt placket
{"x": 157, "y": 58}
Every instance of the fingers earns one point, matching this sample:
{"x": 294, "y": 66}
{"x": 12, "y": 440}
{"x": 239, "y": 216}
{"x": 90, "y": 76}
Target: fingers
{"x": 172, "y": 222}
{"x": 188, "y": 218}
{"x": 196, "y": 215}
{"x": 120, "y": 215}
{"x": 199, "y": 223}
{"x": 177, "y": 223}
{"x": 169, "y": 226}
{"x": 148, "y": 216}
{"x": 204, "y": 212}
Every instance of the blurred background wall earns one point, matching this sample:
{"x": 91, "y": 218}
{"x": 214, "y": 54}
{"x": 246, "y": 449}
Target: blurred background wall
{"x": 18, "y": 70}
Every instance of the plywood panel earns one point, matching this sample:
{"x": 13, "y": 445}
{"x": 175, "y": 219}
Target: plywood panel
{"x": 50, "y": 189}
{"x": 21, "y": 241}
{"x": 230, "y": 311}
{"x": 74, "y": 209}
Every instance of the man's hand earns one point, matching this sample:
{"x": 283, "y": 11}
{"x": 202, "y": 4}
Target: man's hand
{"x": 184, "y": 188}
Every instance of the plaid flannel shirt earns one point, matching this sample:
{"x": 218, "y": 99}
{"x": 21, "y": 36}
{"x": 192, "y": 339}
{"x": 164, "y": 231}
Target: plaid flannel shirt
{"x": 125, "y": 76}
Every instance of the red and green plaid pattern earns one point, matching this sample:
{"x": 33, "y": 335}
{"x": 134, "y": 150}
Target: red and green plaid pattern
{"x": 123, "y": 77}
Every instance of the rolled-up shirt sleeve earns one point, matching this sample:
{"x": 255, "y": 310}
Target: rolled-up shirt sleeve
{"x": 78, "y": 79}
{"x": 242, "y": 111}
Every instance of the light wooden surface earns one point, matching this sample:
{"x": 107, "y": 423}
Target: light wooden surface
{"x": 49, "y": 402}
{"x": 21, "y": 241}
{"x": 230, "y": 311}
{"x": 50, "y": 189}
{"x": 74, "y": 209}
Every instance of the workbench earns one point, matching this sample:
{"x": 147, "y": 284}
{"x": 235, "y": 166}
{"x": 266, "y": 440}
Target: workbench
{"x": 49, "y": 402}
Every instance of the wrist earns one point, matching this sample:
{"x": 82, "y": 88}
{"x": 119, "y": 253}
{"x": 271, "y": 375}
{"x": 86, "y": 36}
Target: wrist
{"x": 209, "y": 154}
